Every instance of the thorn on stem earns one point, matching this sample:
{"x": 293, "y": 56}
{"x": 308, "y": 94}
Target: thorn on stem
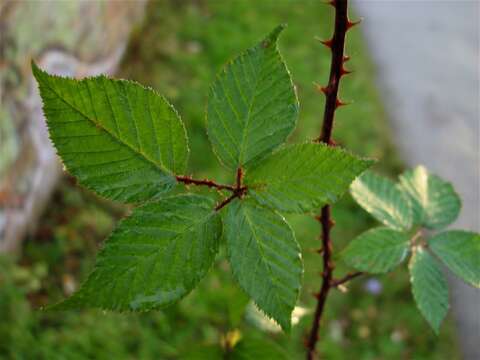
{"x": 351, "y": 24}
{"x": 346, "y": 58}
{"x": 339, "y": 103}
{"x": 344, "y": 71}
{"x": 331, "y": 223}
{"x": 331, "y": 3}
{"x": 322, "y": 89}
{"x": 327, "y": 43}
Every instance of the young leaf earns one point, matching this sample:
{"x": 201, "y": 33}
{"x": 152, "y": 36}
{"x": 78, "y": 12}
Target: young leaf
{"x": 381, "y": 198}
{"x": 155, "y": 256}
{"x": 265, "y": 258}
{"x": 118, "y": 138}
{"x": 377, "y": 250}
{"x": 460, "y": 251}
{"x": 429, "y": 287}
{"x": 303, "y": 177}
{"x": 435, "y": 202}
{"x": 252, "y": 105}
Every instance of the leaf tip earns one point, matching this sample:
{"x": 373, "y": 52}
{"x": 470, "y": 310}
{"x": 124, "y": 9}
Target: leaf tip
{"x": 36, "y": 71}
{"x": 285, "y": 322}
{"x": 273, "y": 36}
{"x": 367, "y": 163}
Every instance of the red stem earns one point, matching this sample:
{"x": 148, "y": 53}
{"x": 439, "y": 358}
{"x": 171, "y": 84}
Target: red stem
{"x": 187, "y": 180}
{"x": 346, "y": 278}
{"x": 327, "y": 274}
{"x": 337, "y": 70}
{"x": 226, "y": 201}
{"x": 237, "y": 191}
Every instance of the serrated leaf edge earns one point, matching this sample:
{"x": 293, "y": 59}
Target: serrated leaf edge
{"x": 272, "y": 36}
{"x": 65, "y": 303}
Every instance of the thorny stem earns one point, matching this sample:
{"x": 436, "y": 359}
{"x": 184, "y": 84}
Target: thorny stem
{"x": 337, "y": 70}
{"x": 328, "y": 266}
{"x": 187, "y": 180}
{"x": 238, "y": 190}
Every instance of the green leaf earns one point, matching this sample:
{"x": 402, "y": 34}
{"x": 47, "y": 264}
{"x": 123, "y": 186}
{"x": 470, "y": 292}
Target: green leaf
{"x": 300, "y": 178}
{"x": 381, "y": 198}
{"x": 435, "y": 202}
{"x": 154, "y": 257}
{"x": 253, "y": 349}
{"x": 429, "y": 287}
{"x": 460, "y": 251}
{"x": 118, "y": 138}
{"x": 200, "y": 351}
{"x": 252, "y": 106}
{"x": 377, "y": 250}
{"x": 265, "y": 258}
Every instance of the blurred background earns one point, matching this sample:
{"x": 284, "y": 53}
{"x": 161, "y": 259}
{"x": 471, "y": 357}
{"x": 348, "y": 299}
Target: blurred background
{"x": 415, "y": 93}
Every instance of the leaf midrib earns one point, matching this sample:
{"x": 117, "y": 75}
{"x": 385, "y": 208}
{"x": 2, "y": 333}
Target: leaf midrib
{"x": 113, "y": 136}
{"x": 272, "y": 277}
{"x": 248, "y": 116}
{"x": 174, "y": 238}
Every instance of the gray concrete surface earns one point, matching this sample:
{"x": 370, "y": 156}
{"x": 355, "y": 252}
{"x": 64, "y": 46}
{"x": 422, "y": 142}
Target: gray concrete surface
{"x": 427, "y": 57}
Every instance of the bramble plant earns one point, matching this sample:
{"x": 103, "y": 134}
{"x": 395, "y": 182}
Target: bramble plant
{"x": 418, "y": 203}
{"x": 128, "y": 144}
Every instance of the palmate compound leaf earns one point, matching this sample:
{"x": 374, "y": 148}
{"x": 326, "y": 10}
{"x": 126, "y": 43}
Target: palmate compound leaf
{"x": 154, "y": 257}
{"x": 303, "y": 177}
{"x": 265, "y": 258}
{"x": 429, "y": 287}
{"x": 460, "y": 251}
{"x": 381, "y": 198}
{"x": 117, "y": 137}
{"x": 377, "y": 250}
{"x": 252, "y": 106}
{"x": 435, "y": 203}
